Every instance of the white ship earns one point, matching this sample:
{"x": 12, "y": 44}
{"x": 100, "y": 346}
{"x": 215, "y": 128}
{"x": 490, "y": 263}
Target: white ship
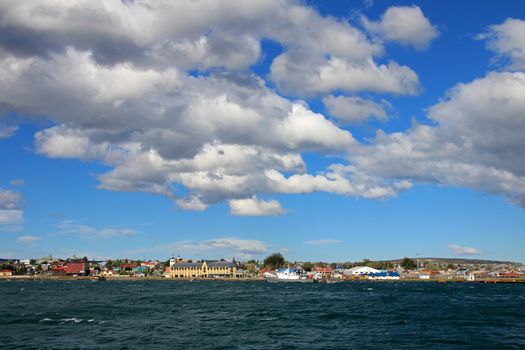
{"x": 287, "y": 275}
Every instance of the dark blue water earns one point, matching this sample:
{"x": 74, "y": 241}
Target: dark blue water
{"x": 259, "y": 315}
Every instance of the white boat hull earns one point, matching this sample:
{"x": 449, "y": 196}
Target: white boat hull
{"x": 288, "y": 280}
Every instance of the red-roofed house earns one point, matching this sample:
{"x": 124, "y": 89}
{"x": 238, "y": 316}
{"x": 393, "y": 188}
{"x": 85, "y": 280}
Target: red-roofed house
{"x": 77, "y": 268}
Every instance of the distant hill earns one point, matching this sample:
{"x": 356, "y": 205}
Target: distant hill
{"x": 457, "y": 261}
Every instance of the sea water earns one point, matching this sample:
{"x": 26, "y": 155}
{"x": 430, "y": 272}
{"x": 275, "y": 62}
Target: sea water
{"x": 258, "y": 315}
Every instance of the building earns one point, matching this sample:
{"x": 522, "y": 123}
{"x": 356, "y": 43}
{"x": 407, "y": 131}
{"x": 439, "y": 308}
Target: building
{"x": 77, "y": 268}
{"x": 58, "y": 270}
{"x": 204, "y": 269}
{"x": 384, "y": 275}
{"x": 140, "y": 271}
{"x": 510, "y": 274}
{"x": 150, "y": 264}
{"x": 6, "y": 273}
{"x": 322, "y": 272}
{"x": 360, "y": 271}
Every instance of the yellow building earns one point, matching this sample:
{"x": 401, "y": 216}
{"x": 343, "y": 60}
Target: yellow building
{"x": 204, "y": 269}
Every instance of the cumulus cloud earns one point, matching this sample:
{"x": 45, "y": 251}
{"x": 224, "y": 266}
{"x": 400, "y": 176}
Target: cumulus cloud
{"x": 136, "y": 104}
{"x": 352, "y": 110}
{"x": 7, "y": 131}
{"x": 11, "y": 212}
{"x": 477, "y": 141}
{"x": 175, "y": 111}
{"x": 255, "y": 207}
{"x": 334, "y": 73}
{"x": 459, "y": 250}
{"x": 28, "y": 239}
{"x": 507, "y": 40}
{"x": 406, "y": 25}
{"x": 186, "y": 34}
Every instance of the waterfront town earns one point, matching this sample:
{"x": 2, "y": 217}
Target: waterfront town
{"x": 419, "y": 269}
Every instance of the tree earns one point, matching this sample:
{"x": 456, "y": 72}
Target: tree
{"x": 274, "y": 261}
{"x": 22, "y": 270}
{"x": 308, "y": 266}
{"x": 408, "y": 264}
{"x": 250, "y": 267}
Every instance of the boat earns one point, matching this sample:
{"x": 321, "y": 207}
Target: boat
{"x": 287, "y": 275}
{"x": 98, "y": 278}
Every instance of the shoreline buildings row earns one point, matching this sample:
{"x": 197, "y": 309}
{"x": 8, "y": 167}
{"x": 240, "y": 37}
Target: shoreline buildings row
{"x": 178, "y": 268}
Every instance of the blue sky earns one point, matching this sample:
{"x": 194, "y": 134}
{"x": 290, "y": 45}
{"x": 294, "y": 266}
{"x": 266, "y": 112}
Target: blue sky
{"x": 336, "y": 130}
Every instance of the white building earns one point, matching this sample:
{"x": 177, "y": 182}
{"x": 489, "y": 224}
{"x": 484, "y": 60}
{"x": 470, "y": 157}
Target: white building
{"x": 360, "y": 270}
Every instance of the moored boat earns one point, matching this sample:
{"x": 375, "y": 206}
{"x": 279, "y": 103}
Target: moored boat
{"x": 287, "y": 275}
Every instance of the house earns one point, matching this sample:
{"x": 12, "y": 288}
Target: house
{"x": 6, "y": 273}
{"x": 77, "y": 268}
{"x": 510, "y": 274}
{"x": 325, "y": 271}
{"x": 150, "y": 264}
{"x": 108, "y": 273}
{"x": 139, "y": 271}
{"x": 58, "y": 270}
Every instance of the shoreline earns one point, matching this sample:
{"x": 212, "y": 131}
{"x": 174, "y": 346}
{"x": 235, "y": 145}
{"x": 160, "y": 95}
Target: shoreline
{"x": 252, "y": 279}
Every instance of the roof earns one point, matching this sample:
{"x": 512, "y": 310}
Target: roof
{"x": 140, "y": 269}
{"x": 221, "y": 264}
{"x": 187, "y": 264}
{"x": 323, "y": 269}
{"x": 384, "y": 274}
{"x": 361, "y": 269}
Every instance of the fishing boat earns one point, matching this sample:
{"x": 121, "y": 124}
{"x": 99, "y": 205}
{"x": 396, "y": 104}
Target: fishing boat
{"x": 287, "y": 275}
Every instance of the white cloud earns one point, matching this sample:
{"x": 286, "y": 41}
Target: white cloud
{"x": 111, "y": 232}
{"x": 328, "y": 74}
{"x": 352, "y": 110}
{"x": 255, "y": 207}
{"x": 7, "y": 131}
{"x": 226, "y": 247}
{"x": 11, "y": 213}
{"x": 507, "y": 40}
{"x": 9, "y": 199}
{"x": 477, "y": 142}
{"x": 10, "y": 218}
{"x": 459, "y": 250}
{"x": 191, "y": 203}
{"x": 201, "y": 139}
{"x": 28, "y": 239}
{"x": 245, "y": 246}
{"x": 220, "y": 136}
{"x": 404, "y": 24}
{"x": 322, "y": 241}
{"x": 185, "y": 34}
{"x": 70, "y": 226}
